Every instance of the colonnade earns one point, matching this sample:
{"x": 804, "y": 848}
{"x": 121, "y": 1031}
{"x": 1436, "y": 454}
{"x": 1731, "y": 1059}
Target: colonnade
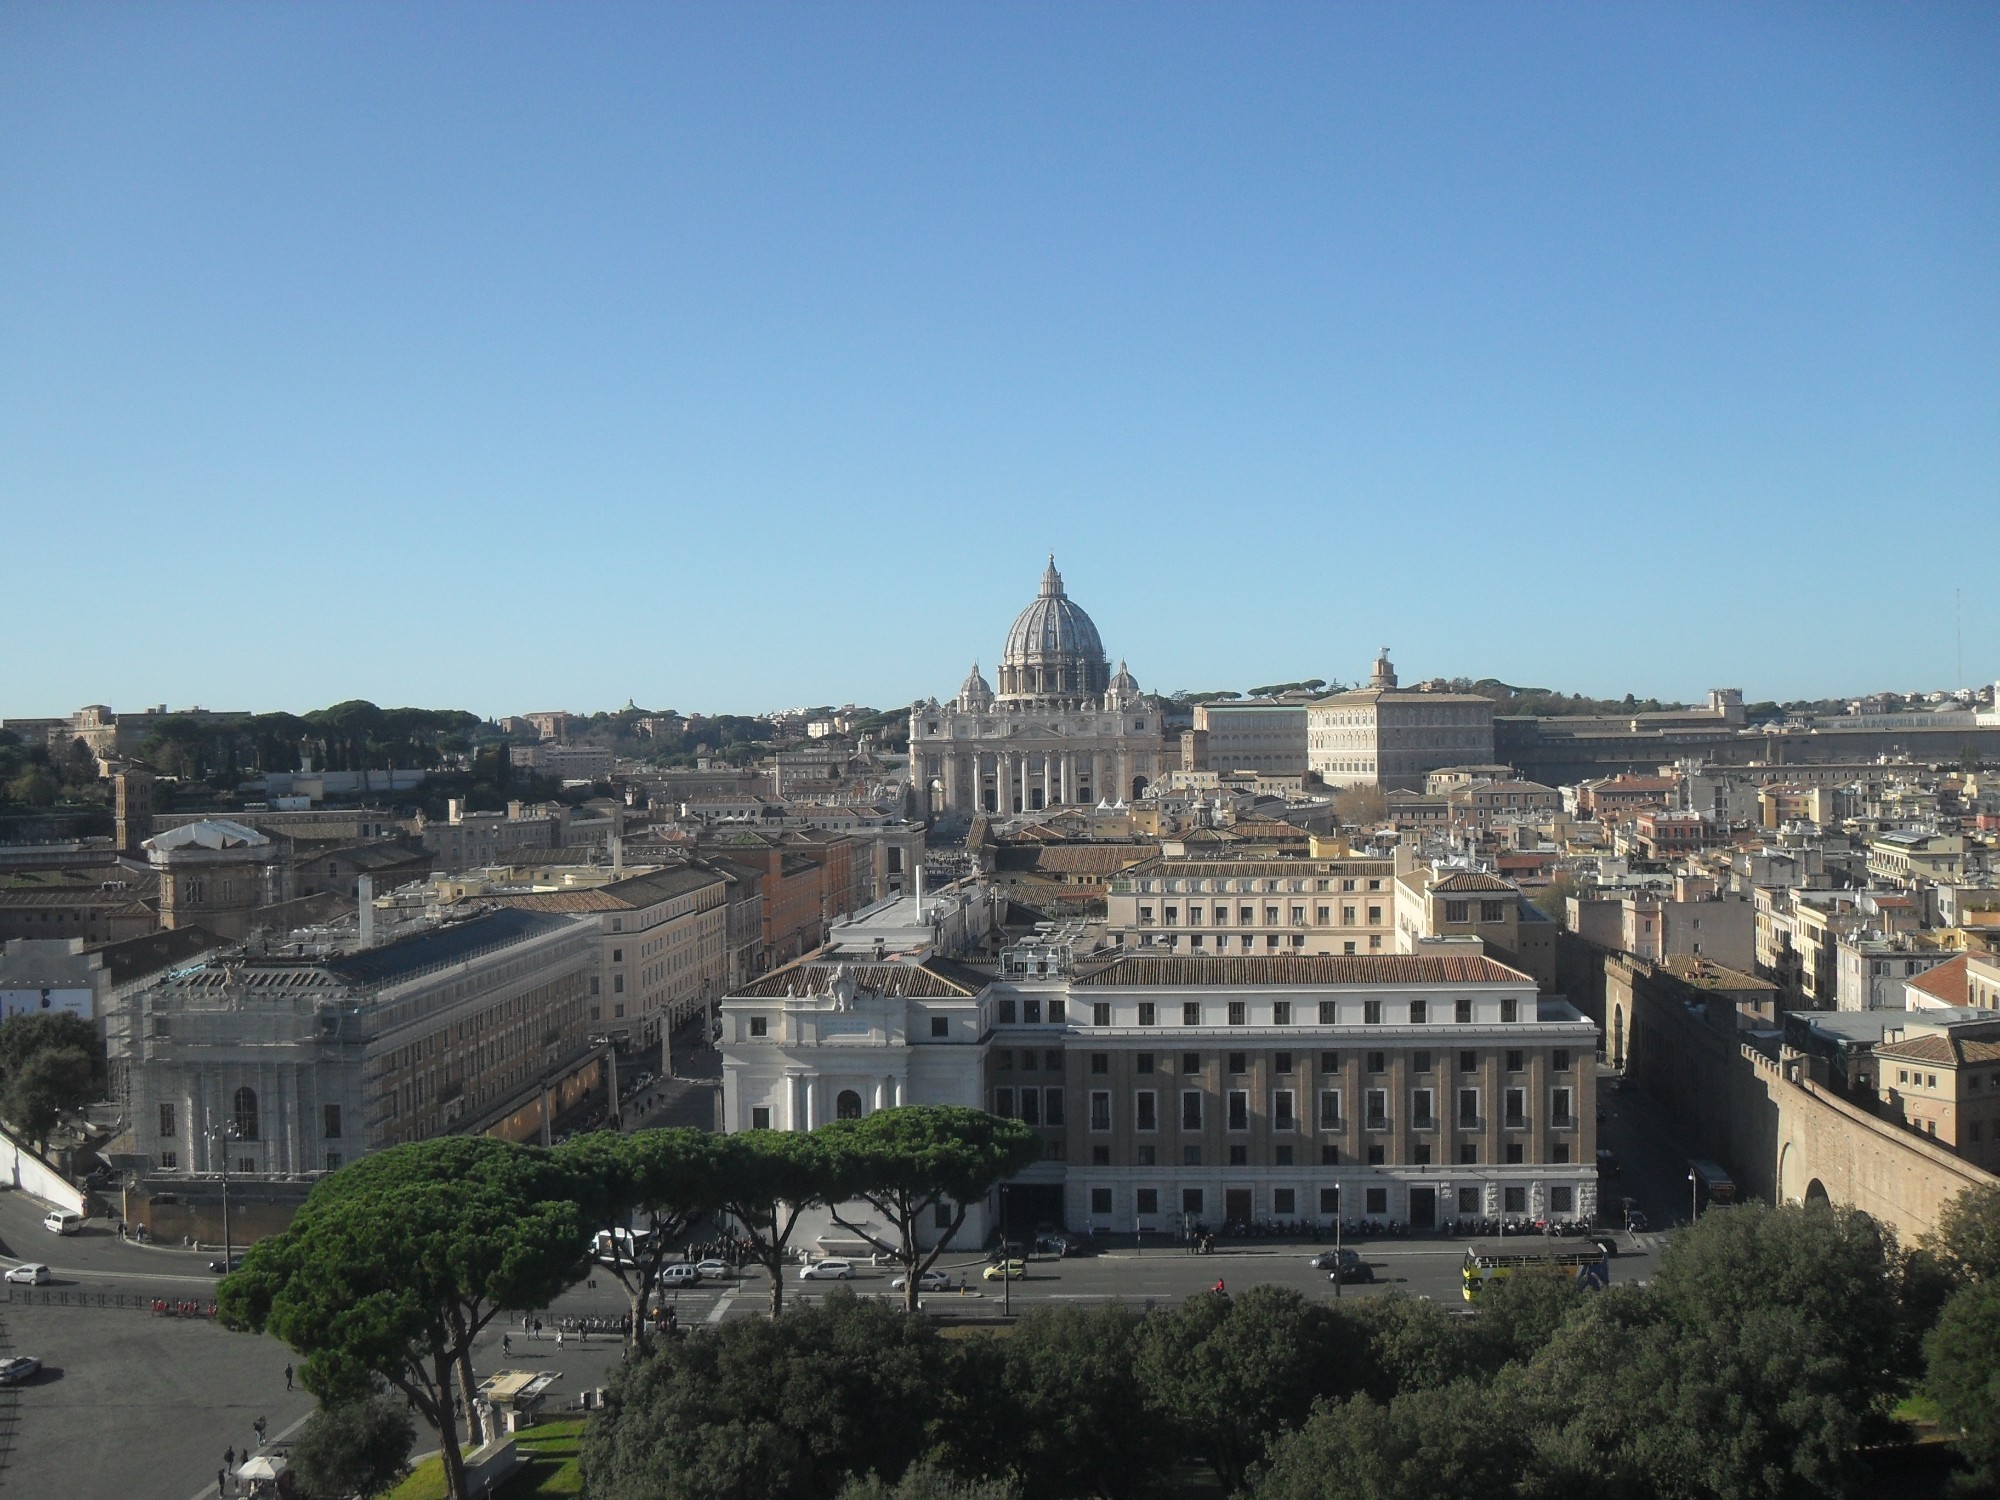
{"x": 1064, "y": 777}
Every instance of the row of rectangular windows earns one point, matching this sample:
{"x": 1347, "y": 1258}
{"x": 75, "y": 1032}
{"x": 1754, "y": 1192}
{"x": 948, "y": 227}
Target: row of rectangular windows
{"x": 1375, "y": 1201}
{"x": 1246, "y": 916}
{"x": 1561, "y": 1059}
{"x": 1284, "y": 1108}
{"x": 1373, "y": 1012}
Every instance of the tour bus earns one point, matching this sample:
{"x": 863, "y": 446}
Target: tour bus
{"x": 1712, "y": 1184}
{"x": 1580, "y": 1261}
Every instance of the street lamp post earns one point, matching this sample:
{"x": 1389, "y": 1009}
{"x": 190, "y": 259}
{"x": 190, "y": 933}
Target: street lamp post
{"x": 226, "y": 1135}
{"x": 1694, "y": 1197}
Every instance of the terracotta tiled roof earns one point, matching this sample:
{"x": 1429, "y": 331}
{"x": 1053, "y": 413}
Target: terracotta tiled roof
{"x": 1137, "y": 971}
{"x": 1945, "y": 983}
{"x": 1074, "y": 859}
{"x": 1943, "y": 1050}
{"x": 1470, "y": 880}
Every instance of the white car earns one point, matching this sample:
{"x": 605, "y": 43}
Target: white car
{"x": 30, "y": 1273}
{"x": 61, "y": 1221}
{"x": 930, "y": 1281}
{"x": 680, "y": 1274}
{"x": 721, "y": 1270}
{"x": 827, "y": 1270}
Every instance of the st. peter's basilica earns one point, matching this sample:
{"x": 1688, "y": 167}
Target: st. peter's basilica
{"x": 1061, "y": 731}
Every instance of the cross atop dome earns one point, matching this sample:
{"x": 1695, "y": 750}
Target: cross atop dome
{"x": 1052, "y": 584}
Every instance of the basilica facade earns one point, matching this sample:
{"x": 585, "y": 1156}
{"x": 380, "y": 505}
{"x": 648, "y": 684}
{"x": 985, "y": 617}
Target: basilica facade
{"x": 1062, "y": 731}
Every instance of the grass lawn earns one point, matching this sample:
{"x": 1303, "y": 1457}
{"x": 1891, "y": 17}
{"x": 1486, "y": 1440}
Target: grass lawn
{"x": 551, "y": 1450}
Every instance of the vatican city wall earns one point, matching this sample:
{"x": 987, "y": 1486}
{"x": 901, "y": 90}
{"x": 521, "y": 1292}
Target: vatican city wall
{"x": 1784, "y": 1138}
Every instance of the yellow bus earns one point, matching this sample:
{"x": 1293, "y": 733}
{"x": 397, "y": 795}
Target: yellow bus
{"x": 1580, "y": 1261}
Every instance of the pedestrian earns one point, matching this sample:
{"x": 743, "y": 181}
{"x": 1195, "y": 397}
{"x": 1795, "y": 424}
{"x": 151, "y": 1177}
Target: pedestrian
{"x": 538, "y": 1328}
{"x": 558, "y": 1339}
{"x": 1219, "y": 1289}
{"x": 506, "y": 1343}
{"x": 221, "y": 1482}
{"x": 229, "y": 1457}
{"x": 259, "y": 1424}
{"x": 288, "y": 1377}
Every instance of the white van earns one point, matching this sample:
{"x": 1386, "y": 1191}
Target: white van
{"x": 62, "y": 1221}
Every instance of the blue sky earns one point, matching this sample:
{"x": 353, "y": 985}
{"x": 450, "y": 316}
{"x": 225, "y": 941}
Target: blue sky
{"x": 731, "y": 357}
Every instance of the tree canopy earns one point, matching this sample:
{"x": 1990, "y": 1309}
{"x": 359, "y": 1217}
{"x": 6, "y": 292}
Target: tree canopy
{"x": 654, "y": 1183}
{"x": 770, "y": 1178}
{"x": 51, "y": 1064}
{"x": 396, "y": 1263}
{"x": 907, "y": 1163}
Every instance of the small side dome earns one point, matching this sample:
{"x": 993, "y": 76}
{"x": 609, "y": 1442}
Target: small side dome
{"x": 975, "y": 688}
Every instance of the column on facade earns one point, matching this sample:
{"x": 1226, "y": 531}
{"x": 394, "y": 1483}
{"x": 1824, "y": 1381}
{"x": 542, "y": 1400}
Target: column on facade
{"x": 1027, "y": 776}
{"x": 1121, "y": 777}
{"x": 795, "y": 1101}
{"x": 951, "y": 781}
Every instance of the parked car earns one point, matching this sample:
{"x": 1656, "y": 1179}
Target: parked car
{"x": 680, "y": 1274}
{"x": 930, "y": 1281}
{"x": 719, "y": 1270}
{"x": 223, "y": 1267}
{"x": 827, "y": 1270}
{"x": 21, "y": 1367}
{"x": 62, "y": 1221}
{"x": 1006, "y": 1270}
{"x": 29, "y": 1274}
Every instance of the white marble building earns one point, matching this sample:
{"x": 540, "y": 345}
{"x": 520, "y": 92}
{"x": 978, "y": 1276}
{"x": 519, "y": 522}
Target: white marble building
{"x": 1063, "y": 730}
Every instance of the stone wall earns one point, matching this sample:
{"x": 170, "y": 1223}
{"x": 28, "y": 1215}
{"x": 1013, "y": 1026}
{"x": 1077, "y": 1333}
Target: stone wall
{"x": 1784, "y": 1138}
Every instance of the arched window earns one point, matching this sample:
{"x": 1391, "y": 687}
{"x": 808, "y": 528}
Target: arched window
{"x": 246, "y": 1115}
{"x": 847, "y": 1106}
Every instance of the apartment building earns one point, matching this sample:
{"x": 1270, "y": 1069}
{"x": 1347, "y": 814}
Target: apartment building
{"x": 1940, "y": 1074}
{"x": 663, "y": 946}
{"x": 1254, "y": 906}
{"x": 1433, "y": 904}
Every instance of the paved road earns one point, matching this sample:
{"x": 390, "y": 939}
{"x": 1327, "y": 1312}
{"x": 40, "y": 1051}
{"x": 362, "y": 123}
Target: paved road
{"x": 143, "y": 1406}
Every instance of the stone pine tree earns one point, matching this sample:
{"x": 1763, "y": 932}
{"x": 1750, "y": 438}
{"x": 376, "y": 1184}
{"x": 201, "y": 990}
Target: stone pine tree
{"x": 769, "y": 1179}
{"x": 920, "y": 1167}
{"x": 395, "y": 1265}
{"x": 657, "y": 1184}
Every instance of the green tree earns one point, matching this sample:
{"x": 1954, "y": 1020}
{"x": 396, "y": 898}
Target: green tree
{"x": 1966, "y": 1242}
{"x": 1057, "y": 1398}
{"x": 356, "y": 1450}
{"x": 784, "y": 1410}
{"x": 924, "y": 1480}
{"x": 770, "y": 1178}
{"x": 1413, "y": 1344}
{"x": 657, "y": 1183}
{"x": 1963, "y": 1354}
{"x": 1750, "y": 1367}
{"x": 396, "y": 1263}
{"x": 1552, "y": 900}
{"x": 1463, "y": 1439}
{"x": 49, "y": 1085}
{"x": 1228, "y": 1374}
{"x": 34, "y": 789}
{"x": 910, "y": 1162}
{"x": 51, "y": 1064}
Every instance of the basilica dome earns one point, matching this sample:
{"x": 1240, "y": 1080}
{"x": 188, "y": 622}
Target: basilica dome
{"x": 1053, "y": 650}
